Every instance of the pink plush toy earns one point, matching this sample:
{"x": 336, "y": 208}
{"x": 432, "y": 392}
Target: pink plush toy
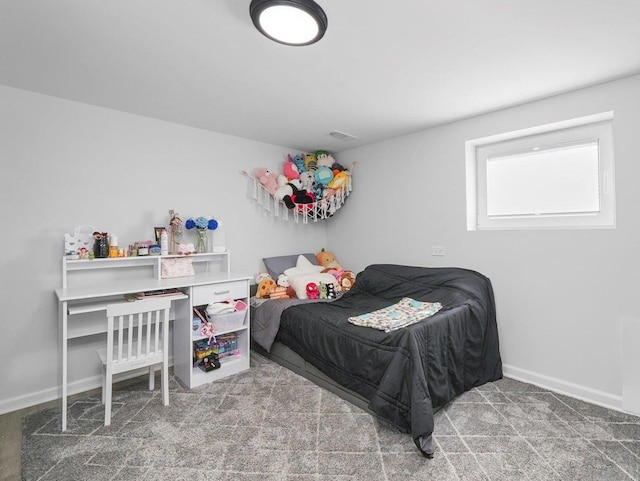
{"x": 267, "y": 178}
{"x": 290, "y": 169}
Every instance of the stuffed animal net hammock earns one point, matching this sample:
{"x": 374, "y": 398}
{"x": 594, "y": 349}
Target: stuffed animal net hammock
{"x": 301, "y": 212}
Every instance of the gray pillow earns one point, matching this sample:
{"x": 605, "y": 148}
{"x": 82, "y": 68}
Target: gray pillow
{"x": 277, "y": 265}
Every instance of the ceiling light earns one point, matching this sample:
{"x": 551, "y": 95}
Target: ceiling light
{"x": 291, "y": 22}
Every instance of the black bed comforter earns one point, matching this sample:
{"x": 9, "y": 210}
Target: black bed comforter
{"x": 405, "y": 373}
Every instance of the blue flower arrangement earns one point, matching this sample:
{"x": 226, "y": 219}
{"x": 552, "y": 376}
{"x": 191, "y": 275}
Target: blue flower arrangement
{"x": 202, "y": 224}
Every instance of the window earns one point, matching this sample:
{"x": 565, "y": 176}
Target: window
{"x": 556, "y": 176}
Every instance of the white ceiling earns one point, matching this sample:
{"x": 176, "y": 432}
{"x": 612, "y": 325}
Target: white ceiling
{"x": 384, "y": 68}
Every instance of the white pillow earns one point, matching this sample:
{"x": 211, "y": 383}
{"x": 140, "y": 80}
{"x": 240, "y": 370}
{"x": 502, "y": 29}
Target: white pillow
{"x": 303, "y": 266}
{"x": 305, "y": 272}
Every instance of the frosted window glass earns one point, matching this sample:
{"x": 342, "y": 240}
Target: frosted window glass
{"x": 553, "y": 181}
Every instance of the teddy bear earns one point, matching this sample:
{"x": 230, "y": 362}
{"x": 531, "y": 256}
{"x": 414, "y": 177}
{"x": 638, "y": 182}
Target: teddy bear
{"x": 265, "y": 287}
{"x": 267, "y": 178}
{"x": 347, "y": 280}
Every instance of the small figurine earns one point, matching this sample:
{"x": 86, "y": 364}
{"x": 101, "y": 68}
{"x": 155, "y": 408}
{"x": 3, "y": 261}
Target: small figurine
{"x": 312, "y": 291}
{"x": 208, "y": 329}
{"x": 175, "y": 226}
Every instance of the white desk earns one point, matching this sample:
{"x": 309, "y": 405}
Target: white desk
{"x": 92, "y": 297}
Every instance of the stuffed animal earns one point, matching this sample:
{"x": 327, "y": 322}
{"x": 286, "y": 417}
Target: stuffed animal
{"x": 282, "y": 180}
{"x": 299, "y": 161}
{"x": 265, "y": 287}
{"x": 284, "y": 191}
{"x": 347, "y": 280}
{"x": 324, "y": 159}
{"x": 312, "y": 291}
{"x": 337, "y": 273}
{"x": 323, "y": 175}
{"x": 338, "y": 180}
{"x": 261, "y": 275}
{"x": 331, "y": 291}
{"x": 300, "y": 199}
{"x": 327, "y": 260}
{"x": 267, "y": 178}
{"x": 322, "y": 288}
{"x": 317, "y": 189}
{"x": 288, "y": 189}
{"x": 337, "y": 167}
{"x": 310, "y": 162}
{"x": 279, "y": 292}
{"x": 283, "y": 280}
{"x": 306, "y": 179}
{"x": 291, "y": 169}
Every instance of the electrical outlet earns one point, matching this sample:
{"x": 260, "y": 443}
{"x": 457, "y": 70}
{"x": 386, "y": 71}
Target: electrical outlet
{"x": 437, "y": 250}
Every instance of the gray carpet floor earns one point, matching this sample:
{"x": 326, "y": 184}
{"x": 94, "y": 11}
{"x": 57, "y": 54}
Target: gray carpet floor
{"x": 269, "y": 424}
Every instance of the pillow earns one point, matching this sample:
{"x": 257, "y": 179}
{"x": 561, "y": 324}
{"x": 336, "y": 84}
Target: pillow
{"x": 277, "y": 265}
{"x": 305, "y": 272}
{"x": 303, "y": 266}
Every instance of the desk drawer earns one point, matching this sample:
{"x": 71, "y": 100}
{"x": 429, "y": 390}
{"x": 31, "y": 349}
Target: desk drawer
{"x": 219, "y": 292}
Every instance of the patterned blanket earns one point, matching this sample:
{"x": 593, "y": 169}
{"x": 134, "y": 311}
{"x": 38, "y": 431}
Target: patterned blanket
{"x": 403, "y": 313}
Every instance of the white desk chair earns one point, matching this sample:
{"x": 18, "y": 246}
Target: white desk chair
{"x": 137, "y": 336}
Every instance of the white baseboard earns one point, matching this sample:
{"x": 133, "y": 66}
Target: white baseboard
{"x": 51, "y": 394}
{"x": 577, "y": 391}
{"x": 593, "y": 396}
{"x": 46, "y": 395}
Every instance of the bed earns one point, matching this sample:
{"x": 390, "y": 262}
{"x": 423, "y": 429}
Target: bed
{"x": 400, "y": 376}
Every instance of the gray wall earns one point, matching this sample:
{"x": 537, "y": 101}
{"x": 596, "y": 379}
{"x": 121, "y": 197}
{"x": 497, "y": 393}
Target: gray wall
{"x": 561, "y": 295}
{"x": 65, "y": 164}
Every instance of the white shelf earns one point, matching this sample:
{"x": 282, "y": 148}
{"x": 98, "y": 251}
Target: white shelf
{"x": 101, "y": 305}
{"x": 228, "y": 367}
{"x": 183, "y": 346}
{"x": 69, "y": 266}
{"x": 220, "y": 333}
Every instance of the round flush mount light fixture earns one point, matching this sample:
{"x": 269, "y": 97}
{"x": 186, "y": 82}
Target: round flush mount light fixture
{"x": 290, "y": 22}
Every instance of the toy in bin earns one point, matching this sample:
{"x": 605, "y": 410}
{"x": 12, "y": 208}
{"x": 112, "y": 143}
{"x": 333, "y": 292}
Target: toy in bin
{"x": 201, "y": 350}
{"x": 209, "y": 363}
{"x": 227, "y": 345}
{"x": 207, "y": 329}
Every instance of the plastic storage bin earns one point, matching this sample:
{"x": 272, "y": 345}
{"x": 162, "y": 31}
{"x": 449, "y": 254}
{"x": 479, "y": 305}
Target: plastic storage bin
{"x": 229, "y": 322}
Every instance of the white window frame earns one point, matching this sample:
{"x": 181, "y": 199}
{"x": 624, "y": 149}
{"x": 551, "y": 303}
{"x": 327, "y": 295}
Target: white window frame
{"x": 598, "y": 126}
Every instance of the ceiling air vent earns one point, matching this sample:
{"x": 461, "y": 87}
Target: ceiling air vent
{"x": 342, "y": 136}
